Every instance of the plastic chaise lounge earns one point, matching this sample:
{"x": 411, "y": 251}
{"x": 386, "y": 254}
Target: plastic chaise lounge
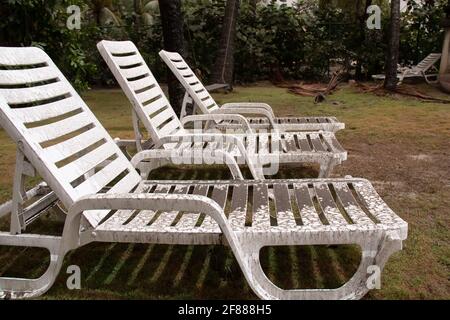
{"x": 153, "y": 110}
{"x": 60, "y": 139}
{"x": 426, "y": 69}
{"x": 196, "y": 93}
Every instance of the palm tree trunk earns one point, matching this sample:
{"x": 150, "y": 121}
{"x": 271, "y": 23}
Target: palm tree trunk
{"x": 172, "y": 25}
{"x": 362, "y": 16}
{"x": 390, "y": 82}
{"x": 224, "y": 66}
{"x": 137, "y": 4}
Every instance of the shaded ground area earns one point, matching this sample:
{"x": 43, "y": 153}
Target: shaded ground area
{"x": 400, "y": 144}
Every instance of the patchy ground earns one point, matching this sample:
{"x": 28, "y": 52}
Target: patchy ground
{"x": 400, "y": 144}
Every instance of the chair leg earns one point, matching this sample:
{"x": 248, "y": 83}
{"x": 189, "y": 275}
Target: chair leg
{"x": 18, "y": 288}
{"x": 327, "y": 167}
{"x": 375, "y": 254}
{"x": 427, "y": 78}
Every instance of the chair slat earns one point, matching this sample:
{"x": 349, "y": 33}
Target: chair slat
{"x": 117, "y": 220}
{"x": 155, "y": 106}
{"x": 26, "y": 76}
{"x": 101, "y": 178}
{"x": 251, "y": 144}
{"x": 263, "y": 144}
{"x": 261, "y": 217}
{"x": 186, "y": 72}
{"x": 167, "y": 218}
{"x": 219, "y": 195}
{"x": 238, "y": 207}
{"x": 350, "y": 204}
{"x": 303, "y": 143}
{"x": 173, "y": 56}
{"x": 73, "y": 145}
{"x": 48, "y": 110}
{"x": 126, "y": 184}
{"x": 162, "y": 117}
{"x": 189, "y": 220}
{"x": 127, "y": 60}
{"x": 332, "y": 143}
{"x": 203, "y": 94}
{"x": 82, "y": 165}
{"x": 285, "y": 216}
{"x": 378, "y": 207}
{"x": 57, "y": 129}
{"x": 148, "y": 95}
{"x": 171, "y": 128}
{"x": 290, "y": 143}
{"x": 140, "y": 84}
{"x": 121, "y": 48}
{"x": 35, "y": 94}
{"x": 328, "y": 205}
{"x": 317, "y": 144}
{"x": 13, "y": 57}
{"x": 181, "y": 65}
{"x": 135, "y": 72}
{"x": 305, "y": 205}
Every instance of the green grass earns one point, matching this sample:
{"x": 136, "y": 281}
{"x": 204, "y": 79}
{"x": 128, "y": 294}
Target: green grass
{"x": 384, "y": 136}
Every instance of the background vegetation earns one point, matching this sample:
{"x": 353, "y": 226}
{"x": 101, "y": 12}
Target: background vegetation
{"x": 297, "y": 42}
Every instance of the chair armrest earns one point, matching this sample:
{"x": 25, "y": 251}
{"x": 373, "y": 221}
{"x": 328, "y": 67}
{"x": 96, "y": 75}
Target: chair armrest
{"x": 248, "y": 110}
{"x": 126, "y": 143}
{"x": 153, "y": 154}
{"x": 259, "y": 105}
{"x": 162, "y": 157}
{"x": 137, "y": 201}
{"x": 205, "y": 137}
{"x": 218, "y": 117}
{"x": 217, "y": 137}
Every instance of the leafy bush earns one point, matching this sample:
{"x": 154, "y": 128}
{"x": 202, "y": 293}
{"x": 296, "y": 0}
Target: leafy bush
{"x": 271, "y": 41}
{"x": 43, "y": 23}
{"x": 421, "y": 33}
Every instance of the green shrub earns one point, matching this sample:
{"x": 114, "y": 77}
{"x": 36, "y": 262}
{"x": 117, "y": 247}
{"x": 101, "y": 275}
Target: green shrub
{"x": 270, "y": 40}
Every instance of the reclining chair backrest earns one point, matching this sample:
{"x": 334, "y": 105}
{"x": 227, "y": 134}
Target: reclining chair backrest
{"x": 140, "y": 86}
{"x": 190, "y": 81}
{"x": 57, "y": 132}
{"x": 429, "y": 61}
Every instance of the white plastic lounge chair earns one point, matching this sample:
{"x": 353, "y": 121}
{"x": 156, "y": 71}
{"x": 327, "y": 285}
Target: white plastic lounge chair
{"x": 151, "y": 107}
{"x": 422, "y": 69}
{"x": 60, "y": 139}
{"x": 266, "y": 120}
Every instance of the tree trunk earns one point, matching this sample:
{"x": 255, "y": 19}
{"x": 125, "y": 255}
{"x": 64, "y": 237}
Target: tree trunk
{"x": 3, "y": 15}
{"x": 362, "y": 16}
{"x": 390, "y": 82}
{"x": 172, "y": 25}
{"x": 224, "y": 66}
{"x": 138, "y": 10}
{"x": 253, "y": 5}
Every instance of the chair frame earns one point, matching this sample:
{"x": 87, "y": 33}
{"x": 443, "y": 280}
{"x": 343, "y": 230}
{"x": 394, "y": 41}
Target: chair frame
{"x": 420, "y": 70}
{"x": 259, "y": 115}
{"x": 105, "y": 206}
{"x": 294, "y": 147}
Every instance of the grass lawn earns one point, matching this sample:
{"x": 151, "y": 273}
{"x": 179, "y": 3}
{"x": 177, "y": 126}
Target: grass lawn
{"x": 400, "y": 144}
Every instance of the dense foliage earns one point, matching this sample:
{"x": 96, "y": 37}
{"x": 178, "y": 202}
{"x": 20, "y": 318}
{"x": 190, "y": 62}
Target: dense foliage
{"x": 293, "y": 42}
